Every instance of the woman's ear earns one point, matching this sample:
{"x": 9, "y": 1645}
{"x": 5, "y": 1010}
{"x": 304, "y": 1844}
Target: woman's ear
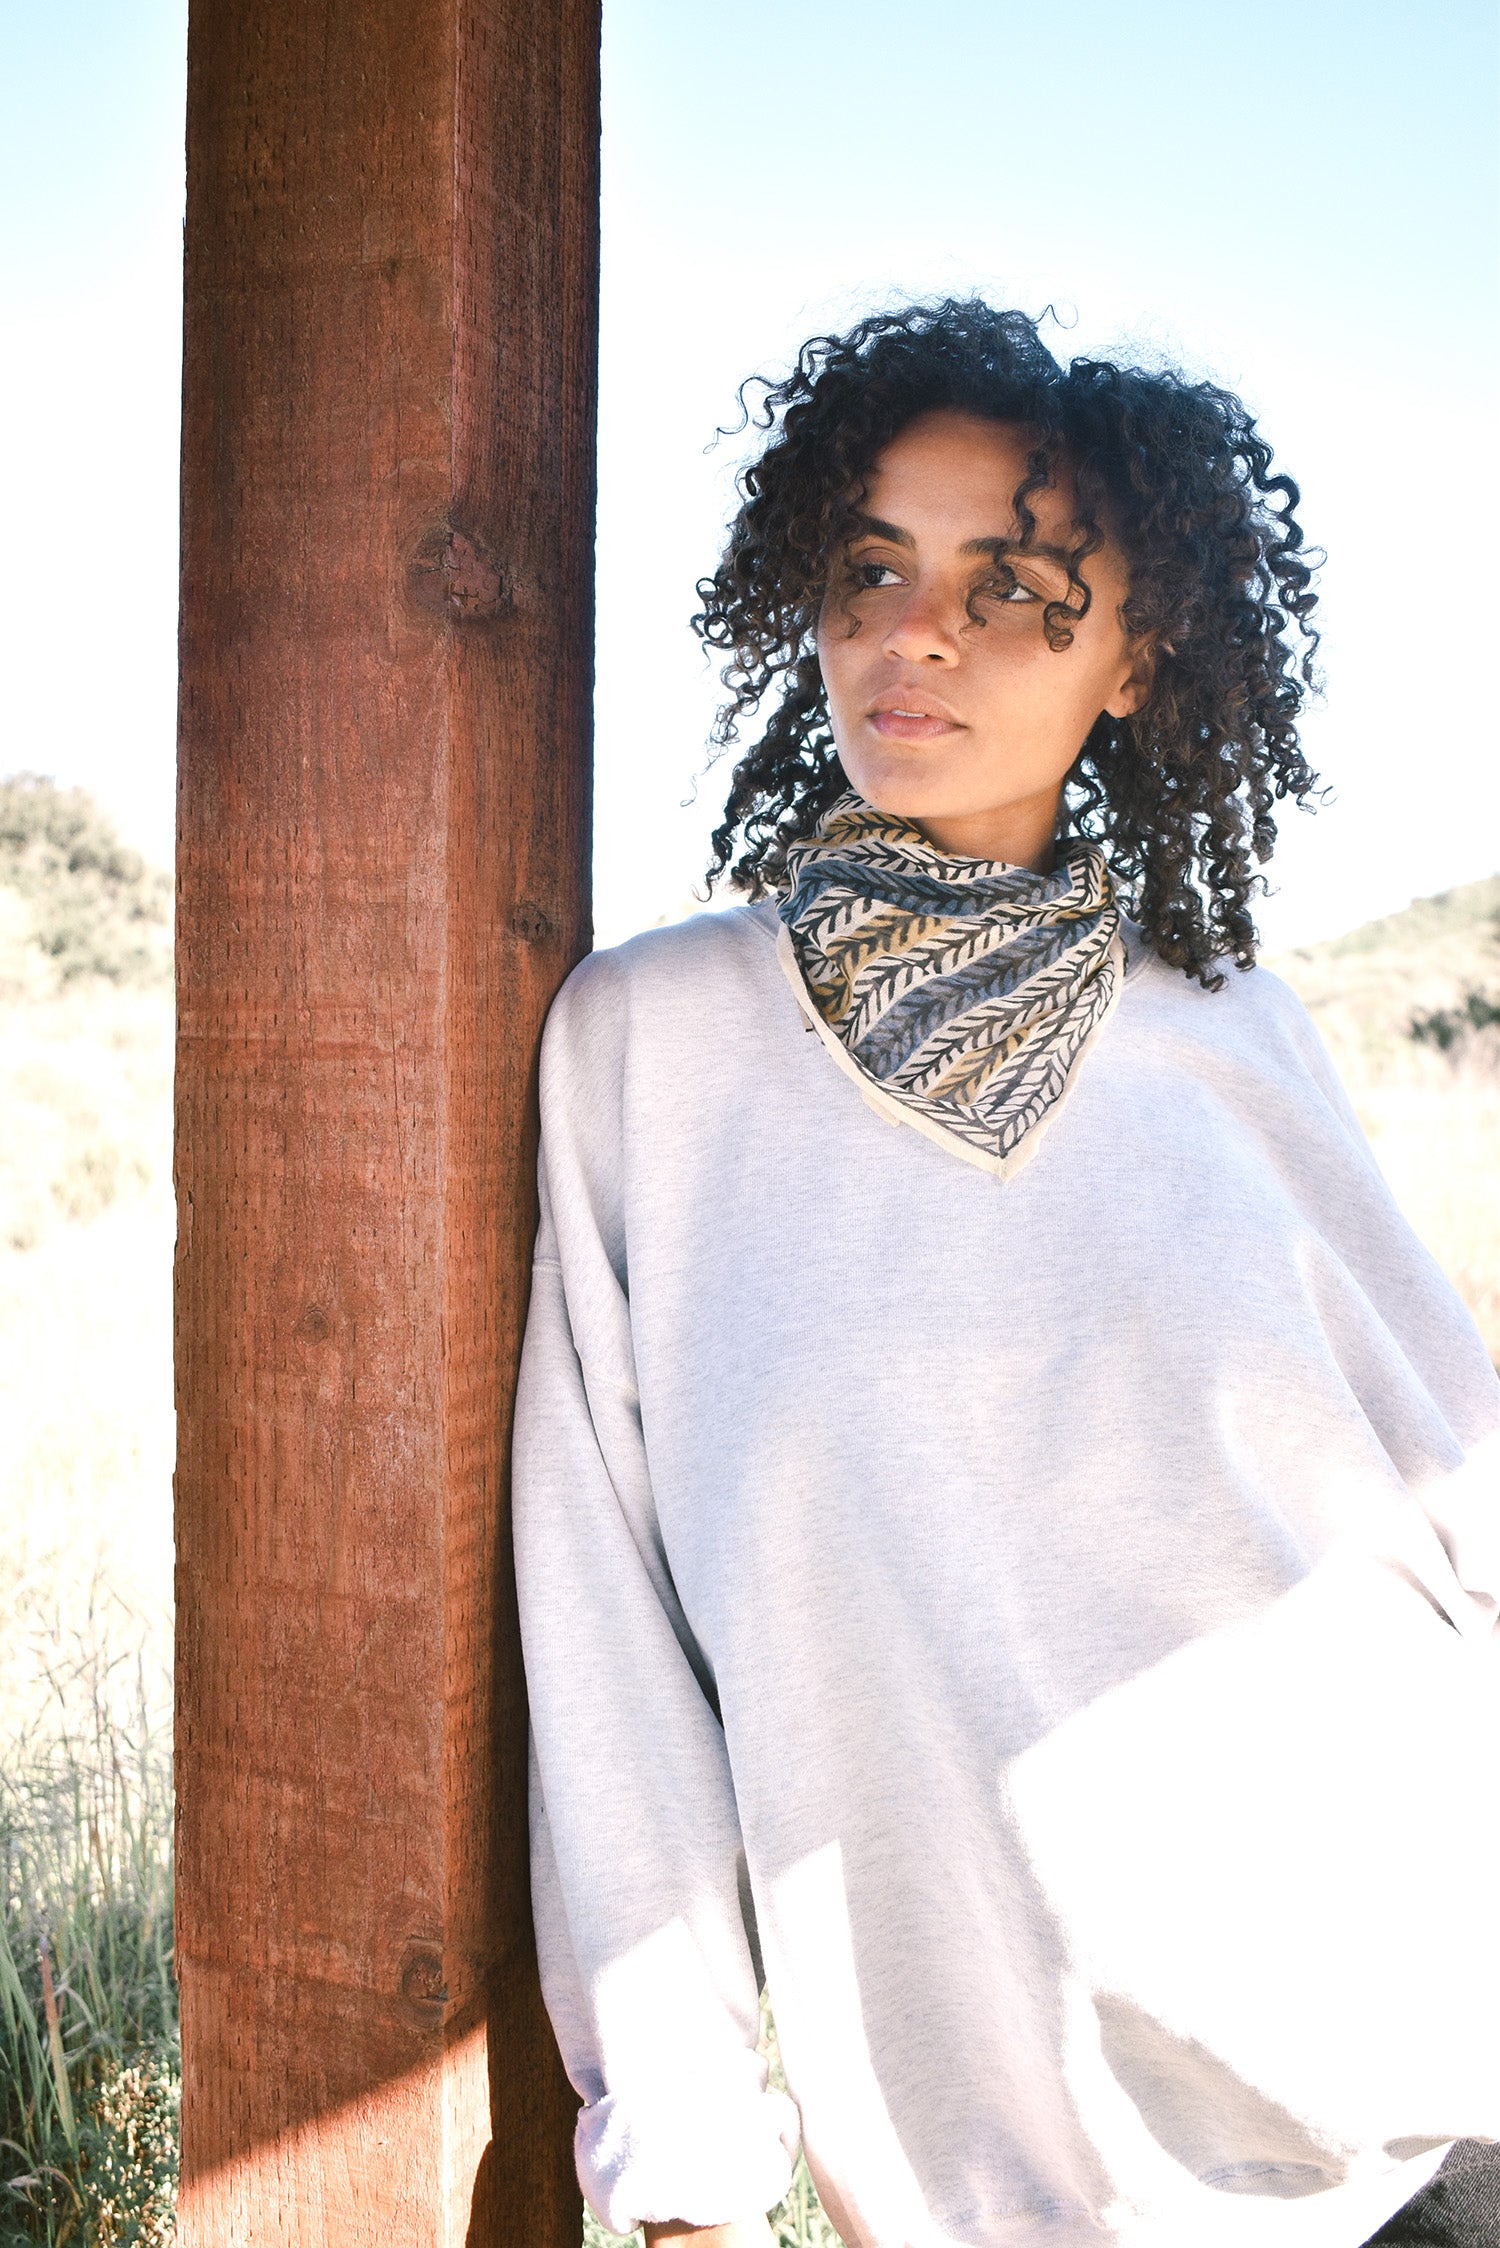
{"x": 1136, "y": 685}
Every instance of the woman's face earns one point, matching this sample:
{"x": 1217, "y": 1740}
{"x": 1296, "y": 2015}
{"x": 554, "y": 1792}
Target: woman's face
{"x": 968, "y": 728}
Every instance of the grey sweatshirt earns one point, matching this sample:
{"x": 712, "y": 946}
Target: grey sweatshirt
{"x": 1047, "y": 1628}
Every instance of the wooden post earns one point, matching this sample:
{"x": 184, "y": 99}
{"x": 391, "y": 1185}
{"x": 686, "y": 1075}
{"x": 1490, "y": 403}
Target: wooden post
{"x": 391, "y": 292}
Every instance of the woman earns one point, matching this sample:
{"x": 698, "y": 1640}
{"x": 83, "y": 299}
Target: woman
{"x": 1004, "y": 1505}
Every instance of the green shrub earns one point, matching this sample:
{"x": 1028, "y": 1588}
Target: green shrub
{"x": 1447, "y": 1027}
{"x": 94, "y": 907}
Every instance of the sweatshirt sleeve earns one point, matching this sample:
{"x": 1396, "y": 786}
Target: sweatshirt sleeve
{"x": 637, "y": 1866}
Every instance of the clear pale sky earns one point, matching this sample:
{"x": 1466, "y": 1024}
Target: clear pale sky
{"x": 1310, "y": 212}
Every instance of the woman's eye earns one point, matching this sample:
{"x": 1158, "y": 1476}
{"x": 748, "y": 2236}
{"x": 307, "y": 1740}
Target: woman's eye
{"x": 1010, "y": 589}
{"x": 868, "y": 575}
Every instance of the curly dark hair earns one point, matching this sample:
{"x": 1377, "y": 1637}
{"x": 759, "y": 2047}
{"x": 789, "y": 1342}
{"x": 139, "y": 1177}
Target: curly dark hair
{"x": 1179, "y": 796}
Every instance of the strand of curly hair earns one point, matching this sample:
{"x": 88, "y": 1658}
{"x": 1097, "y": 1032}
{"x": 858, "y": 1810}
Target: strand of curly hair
{"x": 1181, "y": 796}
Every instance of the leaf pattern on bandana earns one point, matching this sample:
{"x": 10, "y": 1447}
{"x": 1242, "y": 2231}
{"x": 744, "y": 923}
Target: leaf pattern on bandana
{"x": 964, "y": 989}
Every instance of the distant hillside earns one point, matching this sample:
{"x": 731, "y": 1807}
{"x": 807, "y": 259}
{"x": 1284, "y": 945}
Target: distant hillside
{"x": 1470, "y": 912}
{"x": 1366, "y": 989}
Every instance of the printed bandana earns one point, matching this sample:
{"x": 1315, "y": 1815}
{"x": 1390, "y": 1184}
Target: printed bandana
{"x": 960, "y": 993}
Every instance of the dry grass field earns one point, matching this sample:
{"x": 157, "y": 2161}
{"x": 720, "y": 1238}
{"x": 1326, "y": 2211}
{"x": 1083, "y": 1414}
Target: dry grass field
{"x": 88, "y": 2056}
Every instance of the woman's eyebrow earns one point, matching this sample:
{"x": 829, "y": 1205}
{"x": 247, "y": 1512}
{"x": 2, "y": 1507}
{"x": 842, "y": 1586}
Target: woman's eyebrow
{"x": 999, "y": 549}
{"x": 872, "y": 527}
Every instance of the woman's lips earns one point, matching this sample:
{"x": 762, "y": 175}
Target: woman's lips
{"x": 911, "y": 726}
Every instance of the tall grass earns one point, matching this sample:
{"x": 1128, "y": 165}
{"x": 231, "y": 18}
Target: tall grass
{"x": 89, "y": 2068}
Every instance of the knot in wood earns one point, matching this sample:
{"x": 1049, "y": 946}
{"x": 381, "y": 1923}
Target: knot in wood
{"x": 422, "y": 1981}
{"x": 531, "y": 923}
{"x": 455, "y": 575}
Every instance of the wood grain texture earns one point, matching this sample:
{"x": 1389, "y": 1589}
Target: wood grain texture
{"x": 391, "y": 292}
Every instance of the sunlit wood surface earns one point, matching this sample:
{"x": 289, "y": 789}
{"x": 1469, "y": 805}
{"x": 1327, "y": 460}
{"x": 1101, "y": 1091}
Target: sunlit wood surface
{"x": 391, "y": 292}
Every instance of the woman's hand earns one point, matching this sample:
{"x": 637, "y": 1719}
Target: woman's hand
{"x": 750, "y": 2233}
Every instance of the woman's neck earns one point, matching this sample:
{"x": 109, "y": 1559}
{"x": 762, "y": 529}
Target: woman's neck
{"x": 1016, "y": 834}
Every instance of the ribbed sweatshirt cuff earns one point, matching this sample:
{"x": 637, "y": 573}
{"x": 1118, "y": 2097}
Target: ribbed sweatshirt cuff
{"x": 690, "y": 2159}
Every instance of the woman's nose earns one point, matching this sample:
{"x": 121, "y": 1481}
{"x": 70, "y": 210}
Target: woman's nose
{"x": 923, "y": 631}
